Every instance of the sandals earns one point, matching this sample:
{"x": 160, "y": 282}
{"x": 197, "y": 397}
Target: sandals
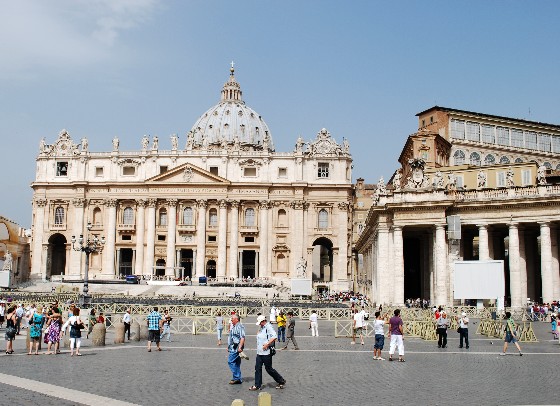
{"x": 253, "y": 388}
{"x": 281, "y": 385}
{"x": 401, "y": 360}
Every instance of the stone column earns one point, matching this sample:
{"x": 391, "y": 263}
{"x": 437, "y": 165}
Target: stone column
{"x": 234, "y": 240}
{"x": 77, "y": 230}
{"x": 171, "y": 237}
{"x": 546, "y": 263}
{"x": 150, "y": 238}
{"x": 341, "y": 270}
{"x": 140, "y": 217}
{"x": 297, "y": 235}
{"x": 555, "y": 263}
{"x": 483, "y": 250}
{"x": 201, "y": 237}
{"x": 110, "y": 230}
{"x": 514, "y": 275}
{"x": 264, "y": 271}
{"x": 38, "y": 269}
{"x": 222, "y": 241}
{"x": 398, "y": 271}
{"x": 441, "y": 266}
{"x": 522, "y": 267}
{"x": 382, "y": 265}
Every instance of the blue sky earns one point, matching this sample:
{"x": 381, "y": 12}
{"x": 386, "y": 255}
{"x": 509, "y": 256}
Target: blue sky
{"x": 361, "y": 69}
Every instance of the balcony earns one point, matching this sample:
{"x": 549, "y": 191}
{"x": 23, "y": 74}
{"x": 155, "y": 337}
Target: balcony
{"x": 126, "y": 228}
{"x": 58, "y": 227}
{"x": 186, "y": 228}
{"x": 249, "y": 230}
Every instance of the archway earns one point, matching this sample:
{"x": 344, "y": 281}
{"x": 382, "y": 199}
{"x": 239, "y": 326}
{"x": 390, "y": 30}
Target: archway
{"x": 56, "y": 255}
{"x": 211, "y": 269}
{"x": 160, "y": 267}
{"x": 322, "y": 260}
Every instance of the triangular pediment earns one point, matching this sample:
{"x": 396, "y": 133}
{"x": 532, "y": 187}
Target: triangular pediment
{"x": 188, "y": 174}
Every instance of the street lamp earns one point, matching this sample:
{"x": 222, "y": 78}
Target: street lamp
{"x": 88, "y": 246}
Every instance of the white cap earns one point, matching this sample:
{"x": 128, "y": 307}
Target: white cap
{"x": 463, "y": 314}
{"x": 260, "y": 319}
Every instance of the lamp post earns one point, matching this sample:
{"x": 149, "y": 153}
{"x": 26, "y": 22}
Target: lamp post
{"x": 87, "y": 246}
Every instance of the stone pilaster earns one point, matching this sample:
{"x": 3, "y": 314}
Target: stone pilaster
{"x": 546, "y": 263}
{"x": 514, "y": 274}
{"x": 222, "y": 240}
{"x": 140, "y": 218}
{"x": 150, "y": 237}
{"x": 171, "y": 236}
{"x": 201, "y": 237}
{"x": 297, "y": 236}
{"x": 264, "y": 271}
{"x": 483, "y": 250}
{"x": 441, "y": 266}
{"x": 77, "y": 230}
{"x": 37, "y": 270}
{"x": 341, "y": 268}
{"x": 110, "y": 231}
{"x": 233, "y": 270}
{"x": 398, "y": 263}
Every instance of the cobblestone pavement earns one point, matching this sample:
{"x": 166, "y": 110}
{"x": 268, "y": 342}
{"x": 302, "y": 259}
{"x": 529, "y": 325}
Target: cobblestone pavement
{"x": 192, "y": 370}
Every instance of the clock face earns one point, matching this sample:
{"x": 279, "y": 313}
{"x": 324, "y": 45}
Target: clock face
{"x": 322, "y": 147}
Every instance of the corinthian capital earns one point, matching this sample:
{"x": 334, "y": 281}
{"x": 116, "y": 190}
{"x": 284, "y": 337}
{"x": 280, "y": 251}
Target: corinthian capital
{"x": 297, "y": 204}
{"x": 234, "y": 203}
{"x": 141, "y": 202}
{"x": 111, "y": 202}
{"x": 202, "y": 203}
{"x": 343, "y": 206}
{"x": 223, "y": 203}
{"x": 172, "y": 202}
{"x": 41, "y": 202}
{"x": 152, "y": 202}
{"x": 79, "y": 202}
{"x": 264, "y": 204}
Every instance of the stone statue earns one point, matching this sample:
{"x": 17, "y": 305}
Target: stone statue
{"x": 116, "y": 143}
{"x": 7, "y": 261}
{"x": 301, "y": 267}
{"x": 42, "y": 146}
{"x": 451, "y": 181}
{"x": 190, "y": 140}
{"x": 204, "y": 141}
{"x": 481, "y": 179}
{"x": 145, "y": 143}
{"x": 541, "y": 175}
{"x": 236, "y": 144}
{"x": 438, "y": 180}
{"x": 266, "y": 142}
{"x": 299, "y": 145}
{"x": 509, "y": 178}
{"x": 345, "y": 146}
{"x": 381, "y": 189}
{"x": 155, "y": 143}
{"x": 224, "y": 143}
{"x": 174, "y": 142}
{"x": 397, "y": 180}
{"x": 85, "y": 144}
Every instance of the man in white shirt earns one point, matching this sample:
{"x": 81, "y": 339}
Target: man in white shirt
{"x": 358, "y": 325}
{"x": 313, "y": 325}
{"x": 127, "y": 320}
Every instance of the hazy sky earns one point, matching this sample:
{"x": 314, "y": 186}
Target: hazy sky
{"x": 361, "y": 69}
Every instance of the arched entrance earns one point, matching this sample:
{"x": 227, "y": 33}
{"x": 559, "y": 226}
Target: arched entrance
{"x": 211, "y": 269}
{"x": 160, "y": 267}
{"x": 322, "y": 260}
{"x": 56, "y": 255}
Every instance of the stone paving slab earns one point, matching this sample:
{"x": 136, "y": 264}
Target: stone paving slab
{"x": 192, "y": 370}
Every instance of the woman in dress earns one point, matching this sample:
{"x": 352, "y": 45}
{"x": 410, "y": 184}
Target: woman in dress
{"x": 76, "y": 326}
{"x": 10, "y": 329}
{"x": 53, "y": 332}
{"x": 36, "y": 321}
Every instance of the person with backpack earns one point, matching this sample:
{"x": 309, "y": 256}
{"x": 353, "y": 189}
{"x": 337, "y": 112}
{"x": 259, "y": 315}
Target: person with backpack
{"x": 76, "y": 327}
{"x": 511, "y": 334}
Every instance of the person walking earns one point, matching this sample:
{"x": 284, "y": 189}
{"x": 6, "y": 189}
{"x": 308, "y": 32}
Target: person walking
{"x": 166, "y": 325}
{"x": 463, "y": 330}
{"x": 155, "y": 323}
{"x": 20, "y": 311}
{"x": 313, "y": 324}
{"x": 266, "y": 336}
{"x": 53, "y": 332}
{"x": 396, "y": 335}
{"x": 358, "y": 326}
{"x": 127, "y": 319}
{"x": 511, "y": 335}
{"x": 236, "y": 341}
{"x": 281, "y": 321}
{"x": 36, "y": 321}
{"x": 273, "y": 314}
{"x": 290, "y": 335}
{"x": 442, "y": 324}
{"x": 92, "y": 321}
{"x": 379, "y": 330}
{"x": 10, "y": 334}
{"x": 219, "y": 327}
{"x": 76, "y": 326}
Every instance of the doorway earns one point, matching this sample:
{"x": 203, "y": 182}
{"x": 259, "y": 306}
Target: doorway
{"x": 56, "y": 255}
{"x": 248, "y": 261}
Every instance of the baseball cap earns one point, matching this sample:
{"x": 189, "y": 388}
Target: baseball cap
{"x": 260, "y": 319}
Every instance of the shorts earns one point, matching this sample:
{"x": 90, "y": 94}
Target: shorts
{"x": 154, "y": 335}
{"x": 358, "y": 330}
{"x": 510, "y": 338}
{"x": 379, "y": 341}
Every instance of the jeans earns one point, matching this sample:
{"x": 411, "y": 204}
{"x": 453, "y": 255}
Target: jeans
{"x": 267, "y": 361}
{"x": 127, "y": 329}
{"x": 220, "y": 333}
{"x": 234, "y": 362}
{"x": 442, "y": 337}
{"x": 282, "y": 334}
{"x": 166, "y": 330}
{"x": 464, "y": 334}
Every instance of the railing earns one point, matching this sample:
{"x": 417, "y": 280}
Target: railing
{"x": 497, "y": 329}
{"x": 415, "y": 328}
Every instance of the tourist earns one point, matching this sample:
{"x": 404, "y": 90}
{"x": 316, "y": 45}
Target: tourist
{"x": 92, "y": 321}
{"x": 273, "y": 313}
{"x": 291, "y": 331}
{"x": 396, "y": 335}
{"x": 357, "y": 326}
{"x": 155, "y": 322}
{"x": 20, "y": 311}
{"x": 511, "y": 334}
{"x": 313, "y": 324}
{"x": 101, "y": 318}
{"x": 236, "y": 341}
{"x": 2, "y": 313}
{"x": 53, "y": 333}
{"x": 166, "y": 325}
{"x": 442, "y": 324}
{"x": 463, "y": 329}
{"x": 219, "y": 327}
{"x": 554, "y": 325}
{"x": 127, "y": 319}
{"x": 266, "y": 337}
{"x": 76, "y": 326}
{"x": 281, "y": 322}
{"x": 10, "y": 334}
{"x": 36, "y": 321}
{"x": 379, "y": 330}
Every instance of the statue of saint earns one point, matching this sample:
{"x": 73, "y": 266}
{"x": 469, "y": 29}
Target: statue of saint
{"x": 145, "y": 143}
{"x": 236, "y": 144}
{"x": 174, "y": 142}
{"x": 155, "y": 143}
{"x": 42, "y": 146}
{"x": 115, "y": 144}
{"x": 438, "y": 180}
{"x": 299, "y": 145}
{"x": 481, "y": 179}
{"x": 509, "y": 178}
{"x": 541, "y": 175}
{"x": 346, "y": 146}
{"x": 301, "y": 267}
{"x": 397, "y": 180}
{"x": 85, "y": 144}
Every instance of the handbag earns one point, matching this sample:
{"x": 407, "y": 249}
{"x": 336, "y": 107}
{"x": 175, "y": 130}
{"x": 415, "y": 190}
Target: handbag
{"x": 458, "y": 329}
{"x": 272, "y": 347}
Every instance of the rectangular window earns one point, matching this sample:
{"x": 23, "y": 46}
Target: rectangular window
{"x": 530, "y": 140}
{"x": 99, "y": 171}
{"x": 129, "y": 170}
{"x": 501, "y": 179}
{"x": 460, "y": 181}
{"x": 250, "y": 172}
{"x": 526, "y": 177}
{"x": 457, "y": 129}
{"x": 488, "y": 134}
{"x": 282, "y": 172}
{"x": 163, "y": 169}
{"x": 211, "y": 238}
{"x": 126, "y": 237}
{"x": 62, "y": 169}
{"x": 214, "y": 170}
{"x": 517, "y": 139}
{"x": 161, "y": 237}
{"x": 249, "y": 239}
{"x": 473, "y": 131}
{"x": 555, "y": 142}
{"x": 502, "y": 134}
{"x": 544, "y": 142}
{"x": 323, "y": 170}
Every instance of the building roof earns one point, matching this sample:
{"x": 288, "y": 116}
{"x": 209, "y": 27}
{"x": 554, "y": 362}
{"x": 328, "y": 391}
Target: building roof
{"x": 482, "y": 115}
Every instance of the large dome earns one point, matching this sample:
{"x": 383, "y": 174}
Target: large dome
{"x": 232, "y": 121}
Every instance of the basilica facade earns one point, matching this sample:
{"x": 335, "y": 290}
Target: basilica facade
{"x": 222, "y": 204}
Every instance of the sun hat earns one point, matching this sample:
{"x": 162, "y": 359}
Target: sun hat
{"x": 260, "y": 319}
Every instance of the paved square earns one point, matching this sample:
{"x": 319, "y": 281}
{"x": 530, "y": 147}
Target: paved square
{"x": 192, "y": 370}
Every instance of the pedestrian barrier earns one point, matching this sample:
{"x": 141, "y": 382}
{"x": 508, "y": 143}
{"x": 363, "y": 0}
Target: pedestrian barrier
{"x": 414, "y": 328}
{"x": 497, "y": 329}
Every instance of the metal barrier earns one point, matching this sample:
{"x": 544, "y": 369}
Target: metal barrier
{"x": 497, "y": 329}
{"x": 414, "y": 328}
